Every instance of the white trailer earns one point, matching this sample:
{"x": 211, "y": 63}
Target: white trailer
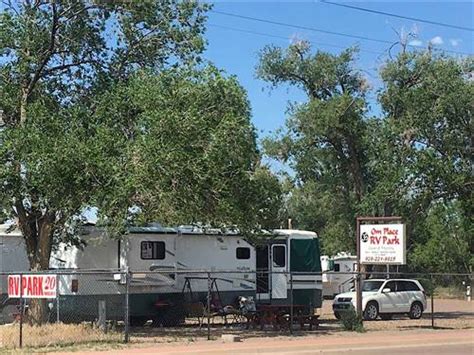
{"x": 12, "y": 258}
{"x": 337, "y": 277}
{"x": 169, "y": 267}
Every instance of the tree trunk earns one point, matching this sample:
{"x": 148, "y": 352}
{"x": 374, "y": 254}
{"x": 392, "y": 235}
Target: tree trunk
{"x": 38, "y": 311}
{"x": 356, "y": 168}
{"x": 38, "y": 234}
{"x": 24, "y": 102}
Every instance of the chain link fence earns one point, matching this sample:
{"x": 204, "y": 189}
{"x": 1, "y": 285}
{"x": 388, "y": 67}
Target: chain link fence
{"x": 162, "y": 306}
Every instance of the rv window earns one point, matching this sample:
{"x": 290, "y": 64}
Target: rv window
{"x": 279, "y": 256}
{"x": 337, "y": 267}
{"x": 153, "y": 250}
{"x": 242, "y": 253}
{"x": 331, "y": 265}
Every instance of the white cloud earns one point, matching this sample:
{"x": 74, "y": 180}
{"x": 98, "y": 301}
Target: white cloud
{"x": 455, "y": 42}
{"x": 437, "y": 41}
{"x": 415, "y": 43}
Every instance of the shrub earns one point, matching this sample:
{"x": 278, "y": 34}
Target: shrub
{"x": 351, "y": 321}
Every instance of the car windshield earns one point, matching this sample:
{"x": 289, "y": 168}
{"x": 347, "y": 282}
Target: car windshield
{"x": 371, "y": 285}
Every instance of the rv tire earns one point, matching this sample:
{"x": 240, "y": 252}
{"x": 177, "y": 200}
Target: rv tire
{"x": 169, "y": 318}
{"x": 138, "y": 321}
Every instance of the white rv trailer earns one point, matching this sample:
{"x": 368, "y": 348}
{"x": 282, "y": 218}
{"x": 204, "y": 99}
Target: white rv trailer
{"x": 165, "y": 264}
{"x": 12, "y": 258}
{"x": 339, "y": 279}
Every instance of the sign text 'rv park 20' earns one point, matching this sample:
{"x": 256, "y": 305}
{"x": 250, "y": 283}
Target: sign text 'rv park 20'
{"x": 32, "y": 286}
{"x": 382, "y": 244}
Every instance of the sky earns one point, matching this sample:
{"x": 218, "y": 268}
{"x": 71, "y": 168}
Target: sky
{"x": 236, "y": 52}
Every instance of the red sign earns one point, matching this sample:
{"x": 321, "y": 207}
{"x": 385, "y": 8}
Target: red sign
{"x": 32, "y": 286}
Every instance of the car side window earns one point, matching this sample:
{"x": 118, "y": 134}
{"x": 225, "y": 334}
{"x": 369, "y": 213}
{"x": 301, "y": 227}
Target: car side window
{"x": 401, "y": 286}
{"x": 391, "y": 286}
{"x": 410, "y": 286}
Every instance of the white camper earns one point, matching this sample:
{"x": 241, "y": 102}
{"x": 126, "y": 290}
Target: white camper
{"x": 337, "y": 277}
{"x": 12, "y": 258}
{"x": 169, "y": 267}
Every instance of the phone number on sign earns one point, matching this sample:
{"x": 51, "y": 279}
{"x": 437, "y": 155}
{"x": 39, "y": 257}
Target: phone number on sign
{"x": 379, "y": 258}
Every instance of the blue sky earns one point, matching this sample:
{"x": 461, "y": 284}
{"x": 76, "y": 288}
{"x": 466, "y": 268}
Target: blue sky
{"x": 236, "y": 52}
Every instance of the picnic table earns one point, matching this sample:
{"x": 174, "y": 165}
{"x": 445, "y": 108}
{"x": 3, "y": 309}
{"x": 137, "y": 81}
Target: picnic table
{"x": 279, "y": 316}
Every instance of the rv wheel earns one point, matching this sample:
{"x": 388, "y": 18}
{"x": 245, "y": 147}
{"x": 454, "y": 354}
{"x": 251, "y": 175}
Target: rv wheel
{"x": 169, "y": 318}
{"x": 138, "y": 321}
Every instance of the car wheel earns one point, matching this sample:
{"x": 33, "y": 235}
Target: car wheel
{"x": 416, "y": 310}
{"x": 337, "y": 315}
{"x": 371, "y": 311}
{"x": 386, "y": 316}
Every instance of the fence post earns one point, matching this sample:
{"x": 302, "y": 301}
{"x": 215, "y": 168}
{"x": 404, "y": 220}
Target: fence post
{"x": 358, "y": 286}
{"x": 21, "y": 311}
{"x": 127, "y": 305}
{"x": 291, "y": 303}
{"x": 57, "y": 298}
{"x": 432, "y": 302}
{"x": 208, "y": 306}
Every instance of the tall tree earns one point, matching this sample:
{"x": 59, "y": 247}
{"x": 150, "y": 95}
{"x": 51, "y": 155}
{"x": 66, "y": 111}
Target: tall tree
{"x": 428, "y": 103}
{"x": 55, "y": 58}
{"x": 324, "y": 139}
{"x": 191, "y": 151}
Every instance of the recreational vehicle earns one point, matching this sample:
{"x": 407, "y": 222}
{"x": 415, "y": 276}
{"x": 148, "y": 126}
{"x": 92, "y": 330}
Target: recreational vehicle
{"x": 12, "y": 258}
{"x": 337, "y": 273}
{"x": 171, "y": 267}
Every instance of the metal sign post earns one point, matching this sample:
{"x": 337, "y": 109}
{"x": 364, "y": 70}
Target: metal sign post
{"x": 359, "y": 221}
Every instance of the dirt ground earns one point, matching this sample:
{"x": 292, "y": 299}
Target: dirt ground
{"x": 425, "y": 341}
{"x": 449, "y": 315}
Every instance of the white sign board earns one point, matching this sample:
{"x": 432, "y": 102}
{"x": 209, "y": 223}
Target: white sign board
{"x": 382, "y": 244}
{"x": 34, "y": 286}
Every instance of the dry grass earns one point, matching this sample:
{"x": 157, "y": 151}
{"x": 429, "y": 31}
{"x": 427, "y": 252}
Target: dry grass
{"x": 450, "y": 292}
{"x": 55, "y": 335}
{"x": 449, "y": 314}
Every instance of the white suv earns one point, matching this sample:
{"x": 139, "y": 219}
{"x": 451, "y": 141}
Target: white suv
{"x": 385, "y": 298}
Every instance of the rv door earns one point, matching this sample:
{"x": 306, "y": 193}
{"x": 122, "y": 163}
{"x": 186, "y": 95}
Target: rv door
{"x": 279, "y": 268}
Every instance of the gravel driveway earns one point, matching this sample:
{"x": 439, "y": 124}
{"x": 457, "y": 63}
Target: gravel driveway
{"x": 448, "y": 314}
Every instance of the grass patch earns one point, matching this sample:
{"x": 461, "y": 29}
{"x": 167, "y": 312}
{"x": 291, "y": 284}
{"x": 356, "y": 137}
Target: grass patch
{"x": 55, "y": 336}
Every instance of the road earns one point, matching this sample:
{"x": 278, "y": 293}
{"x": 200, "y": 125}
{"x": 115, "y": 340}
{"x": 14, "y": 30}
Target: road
{"x": 386, "y": 342}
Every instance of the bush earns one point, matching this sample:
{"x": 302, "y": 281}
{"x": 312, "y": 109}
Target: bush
{"x": 351, "y": 321}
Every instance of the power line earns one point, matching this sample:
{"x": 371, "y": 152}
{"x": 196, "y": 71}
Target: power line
{"x": 300, "y": 27}
{"x": 398, "y": 16}
{"x": 285, "y": 38}
{"x": 256, "y": 19}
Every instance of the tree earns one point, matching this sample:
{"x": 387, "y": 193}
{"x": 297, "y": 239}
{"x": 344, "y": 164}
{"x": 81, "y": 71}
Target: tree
{"x": 55, "y": 58}
{"x": 428, "y": 101}
{"x": 324, "y": 140}
{"x": 128, "y": 125}
{"x": 192, "y": 153}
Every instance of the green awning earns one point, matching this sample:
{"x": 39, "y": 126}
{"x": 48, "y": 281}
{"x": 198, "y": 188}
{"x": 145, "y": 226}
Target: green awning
{"x": 305, "y": 255}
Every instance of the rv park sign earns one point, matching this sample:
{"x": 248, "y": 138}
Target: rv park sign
{"x": 32, "y": 286}
{"x": 382, "y": 244}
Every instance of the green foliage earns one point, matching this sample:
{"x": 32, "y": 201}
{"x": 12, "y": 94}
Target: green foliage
{"x": 415, "y": 161}
{"x": 428, "y": 102}
{"x": 103, "y": 106}
{"x": 192, "y": 151}
{"x": 445, "y": 242}
{"x": 323, "y": 141}
{"x": 350, "y": 321}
